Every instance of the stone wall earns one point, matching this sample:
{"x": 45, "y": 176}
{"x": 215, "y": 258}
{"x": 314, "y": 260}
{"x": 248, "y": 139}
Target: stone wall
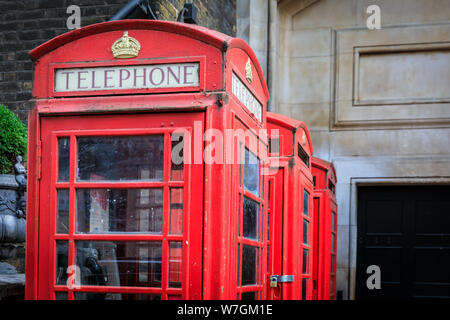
{"x": 25, "y": 24}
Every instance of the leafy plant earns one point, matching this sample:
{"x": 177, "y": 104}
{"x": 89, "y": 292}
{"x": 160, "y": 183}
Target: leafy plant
{"x": 13, "y": 139}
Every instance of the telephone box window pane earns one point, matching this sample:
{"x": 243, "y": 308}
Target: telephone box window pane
{"x": 305, "y": 261}
{"x": 121, "y": 158}
{"x": 249, "y": 265}
{"x": 176, "y": 211}
{"x": 177, "y": 158}
{"x": 60, "y": 295}
{"x": 98, "y": 296}
{"x": 332, "y": 263}
{"x": 305, "y": 231}
{"x": 248, "y": 295}
{"x": 304, "y": 288}
{"x": 251, "y": 173}
{"x": 63, "y": 159}
{"x": 333, "y": 221}
{"x": 62, "y": 209}
{"x": 119, "y": 263}
{"x": 250, "y": 218}
{"x": 175, "y": 264}
{"x": 238, "y": 262}
{"x": 306, "y": 203}
{"x": 62, "y": 261}
{"x": 332, "y": 242}
{"x": 119, "y": 210}
{"x": 116, "y": 296}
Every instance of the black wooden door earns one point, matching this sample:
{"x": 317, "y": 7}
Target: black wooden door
{"x": 405, "y": 231}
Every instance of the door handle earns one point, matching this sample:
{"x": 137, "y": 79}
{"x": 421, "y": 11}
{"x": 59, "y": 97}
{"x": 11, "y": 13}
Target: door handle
{"x": 274, "y": 279}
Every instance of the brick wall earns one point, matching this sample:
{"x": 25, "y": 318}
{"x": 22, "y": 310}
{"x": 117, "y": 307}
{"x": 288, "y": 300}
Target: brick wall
{"x": 25, "y": 24}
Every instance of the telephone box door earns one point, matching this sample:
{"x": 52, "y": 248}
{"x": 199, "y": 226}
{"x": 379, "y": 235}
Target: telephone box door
{"x": 120, "y": 208}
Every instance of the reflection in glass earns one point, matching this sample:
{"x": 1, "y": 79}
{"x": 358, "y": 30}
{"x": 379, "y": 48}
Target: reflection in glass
{"x": 250, "y": 218}
{"x": 63, "y": 159}
{"x": 332, "y": 242}
{"x": 62, "y": 261}
{"x": 60, "y": 295}
{"x": 62, "y": 210}
{"x": 175, "y": 264}
{"x": 121, "y": 158}
{"x": 177, "y": 157}
{"x": 305, "y": 231}
{"x": 304, "y": 288}
{"x": 333, "y": 220}
{"x": 305, "y": 261}
{"x": 116, "y": 296}
{"x": 251, "y": 173}
{"x": 119, "y": 210}
{"x": 305, "y": 203}
{"x": 248, "y": 295}
{"x": 176, "y": 211}
{"x": 249, "y": 264}
{"x": 119, "y": 263}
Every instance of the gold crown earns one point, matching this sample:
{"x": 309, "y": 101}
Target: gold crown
{"x": 125, "y": 47}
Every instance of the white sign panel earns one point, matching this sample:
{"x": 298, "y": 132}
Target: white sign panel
{"x": 175, "y": 75}
{"x": 246, "y": 97}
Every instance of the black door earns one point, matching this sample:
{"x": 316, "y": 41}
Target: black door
{"x": 405, "y": 231}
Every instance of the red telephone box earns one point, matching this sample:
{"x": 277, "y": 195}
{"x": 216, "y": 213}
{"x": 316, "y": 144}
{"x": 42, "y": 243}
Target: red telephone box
{"x": 148, "y": 181}
{"x": 290, "y": 208}
{"x": 325, "y": 229}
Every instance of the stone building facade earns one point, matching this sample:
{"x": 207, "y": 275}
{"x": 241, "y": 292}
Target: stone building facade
{"x": 25, "y": 24}
{"x": 377, "y": 104}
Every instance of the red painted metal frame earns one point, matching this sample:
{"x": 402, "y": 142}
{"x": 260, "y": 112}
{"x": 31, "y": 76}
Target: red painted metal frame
{"x": 289, "y": 191}
{"x": 325, "y": 245}
{"x": 219, "y": 56}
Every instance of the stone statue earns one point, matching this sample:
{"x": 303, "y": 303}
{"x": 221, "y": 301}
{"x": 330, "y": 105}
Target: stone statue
{"x": 21, "y": 179}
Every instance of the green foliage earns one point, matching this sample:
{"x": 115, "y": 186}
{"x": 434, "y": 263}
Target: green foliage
{"x": 13, "y": 140}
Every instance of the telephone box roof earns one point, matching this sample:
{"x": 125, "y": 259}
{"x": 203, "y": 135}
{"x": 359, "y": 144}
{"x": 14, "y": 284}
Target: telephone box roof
{"x": 214, "y": 38}
{"x": 291, "y": 124}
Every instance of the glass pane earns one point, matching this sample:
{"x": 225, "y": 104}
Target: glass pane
{"x": 251, "y": 173}
{"x": 250, "y": 218}
{"x": 60, "y": 295}
{"x": 175, "y": 264}
{"x": 274, "y": 145}
{"x": 305, "y": 203}
{"x": 121, "y": 158}
{"x": 63, "y": 159}
{"x": 332, "y": 242}
{"x": 304, "y": 288}
{"x": 268, "y": 226}
{"x": 332, "y": 287}
{"x": 98, "y": 296}
{"x": 119, "y": 210}
{"x": 332, "y": 264}
{"x": 177, "y": 157}
{"x": 62, "y": 261}
{"x": 176, "y": 211}
{"x": 249, "y": 264}
{"x": 238, "y": 263}
{"x": 333, "y": 221}
{"x": 239, "y": 215}
{"x": 305, "y": 261}
{"x": 119, "y": 263}
{"x": 305, "y": 231}
{"x": 248, "y": 295}
{"x": 62, "y": 210}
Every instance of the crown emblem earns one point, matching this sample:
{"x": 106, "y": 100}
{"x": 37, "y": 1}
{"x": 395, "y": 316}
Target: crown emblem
{"x": 125, "y": 47}
{"x": 248, "y": 71}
